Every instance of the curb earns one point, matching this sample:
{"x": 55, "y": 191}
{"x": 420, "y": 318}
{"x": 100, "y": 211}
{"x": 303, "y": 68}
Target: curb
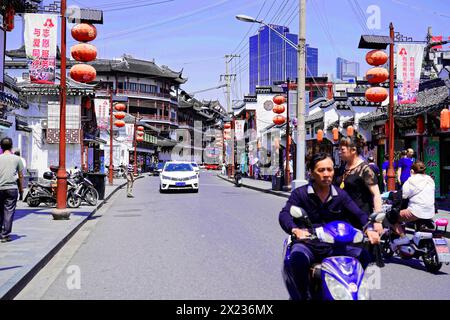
{"x": 275, "y": 193}
{"x": 19, "y": 285}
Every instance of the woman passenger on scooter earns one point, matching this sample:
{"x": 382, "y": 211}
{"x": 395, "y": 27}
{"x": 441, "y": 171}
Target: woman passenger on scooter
{"x": 419, "y": 189}
{"x": 358, "y": 178}
{"x": 323, "y": 203}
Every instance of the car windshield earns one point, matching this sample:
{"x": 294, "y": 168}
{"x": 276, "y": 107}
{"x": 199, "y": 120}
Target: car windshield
{"x": 178, "y": 167}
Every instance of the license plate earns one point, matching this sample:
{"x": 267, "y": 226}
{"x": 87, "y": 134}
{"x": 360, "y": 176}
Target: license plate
{"x": 442, "y": 250}
{"x": 180, "y": 184}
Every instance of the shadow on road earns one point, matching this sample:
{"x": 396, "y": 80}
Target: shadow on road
{"x": 413, "y": 263}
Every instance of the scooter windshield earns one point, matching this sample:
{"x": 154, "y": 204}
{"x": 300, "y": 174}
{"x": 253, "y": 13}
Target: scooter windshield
{"x": 341, "y": 231}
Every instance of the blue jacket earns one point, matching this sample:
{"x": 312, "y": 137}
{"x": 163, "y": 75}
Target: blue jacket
{"x": 339, "y": 206}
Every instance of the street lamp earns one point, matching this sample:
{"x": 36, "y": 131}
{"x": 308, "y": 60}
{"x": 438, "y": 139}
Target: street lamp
{"x": 301, "y": 60}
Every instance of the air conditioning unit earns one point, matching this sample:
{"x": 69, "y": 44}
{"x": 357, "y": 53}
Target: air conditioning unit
{"x": 44, "y": 124}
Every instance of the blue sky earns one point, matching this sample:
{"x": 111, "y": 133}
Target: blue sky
{"x": 196, "y": 35}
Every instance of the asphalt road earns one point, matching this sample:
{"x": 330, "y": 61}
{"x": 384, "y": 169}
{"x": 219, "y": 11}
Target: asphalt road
{"x": 222, "y": 243}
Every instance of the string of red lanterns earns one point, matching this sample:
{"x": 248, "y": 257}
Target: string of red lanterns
{"x": 278, "y": 119}
{"x": 376, "y": 75}
{"x": 140, "y": 134}
{"x": 83, "y": 52}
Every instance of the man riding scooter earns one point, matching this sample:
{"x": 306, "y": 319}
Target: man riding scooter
{"x": 323, "y": 203}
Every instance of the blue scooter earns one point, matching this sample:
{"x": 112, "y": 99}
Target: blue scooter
{"x": 337, "y": 277}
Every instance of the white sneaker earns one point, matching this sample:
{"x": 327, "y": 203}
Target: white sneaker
{"x": 399, "y": 242}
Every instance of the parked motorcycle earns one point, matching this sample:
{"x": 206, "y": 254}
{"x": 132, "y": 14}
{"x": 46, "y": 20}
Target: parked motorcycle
{"x": 45, "y": 192}
{"x": 337, "y": 277}
{"x": 84, "y": 189}
{"x": 428, "y": 241}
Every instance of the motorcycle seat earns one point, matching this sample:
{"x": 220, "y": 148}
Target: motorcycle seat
{"x": 45, "y": 184}
{"x": 426, "y": 225}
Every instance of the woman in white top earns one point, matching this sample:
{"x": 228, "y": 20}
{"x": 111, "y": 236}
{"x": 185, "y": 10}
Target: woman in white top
{"x": 420, "y": 190}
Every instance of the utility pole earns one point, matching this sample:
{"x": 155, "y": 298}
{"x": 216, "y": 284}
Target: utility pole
{"x": 390, "y": 171}
{"x": 301, "y": 130}
{"x": 227, "y": 76}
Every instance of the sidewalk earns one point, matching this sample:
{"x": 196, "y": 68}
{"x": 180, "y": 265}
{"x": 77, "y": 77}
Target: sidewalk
{"x": 266, "y": 186}
{"x": 37, "y": 238}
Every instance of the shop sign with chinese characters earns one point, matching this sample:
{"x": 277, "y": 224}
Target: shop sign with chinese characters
{"x": 409, "y": 65}
{"x": 40, "y": 45}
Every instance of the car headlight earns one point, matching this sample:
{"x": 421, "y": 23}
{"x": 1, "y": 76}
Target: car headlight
{"x": 165, "y": 177}
{"x": 337, "y": 289}
{"x": 193, "y": 177}
{"x": 363, "y": 292}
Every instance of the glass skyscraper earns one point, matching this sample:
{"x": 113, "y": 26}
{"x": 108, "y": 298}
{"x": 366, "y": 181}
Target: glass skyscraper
{"x": 346, "y": 69}
{"x": 272, "y": 59}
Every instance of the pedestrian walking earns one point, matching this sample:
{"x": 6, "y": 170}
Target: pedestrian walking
{"x": 10, "y": 187}
{"x": 404, "y": 166}
{"x": 128, "y": 173}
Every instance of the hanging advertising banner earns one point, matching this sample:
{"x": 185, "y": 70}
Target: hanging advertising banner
{"x": 409, "y": 65}
{"x": 102, "y": 109}
{"x": 239, "y": 129}
{"x": 40, "y": 36}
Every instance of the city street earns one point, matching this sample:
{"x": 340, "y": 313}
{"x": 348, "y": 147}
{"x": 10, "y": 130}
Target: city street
{"x": 222, "y": 243}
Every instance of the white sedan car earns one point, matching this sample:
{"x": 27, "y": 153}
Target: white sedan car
{"x": 178, "y": 176}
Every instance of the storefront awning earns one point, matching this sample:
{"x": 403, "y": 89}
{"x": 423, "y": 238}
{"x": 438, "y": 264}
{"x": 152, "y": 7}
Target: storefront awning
{"x": 142, "y": 150}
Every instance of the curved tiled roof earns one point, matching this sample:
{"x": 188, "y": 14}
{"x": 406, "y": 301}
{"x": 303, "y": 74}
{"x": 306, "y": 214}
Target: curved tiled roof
{"x": 131, "y": 65}
{"x": 427, "y": 100}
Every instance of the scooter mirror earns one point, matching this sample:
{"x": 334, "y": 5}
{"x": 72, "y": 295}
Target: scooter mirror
{"x": 297, "y": 212}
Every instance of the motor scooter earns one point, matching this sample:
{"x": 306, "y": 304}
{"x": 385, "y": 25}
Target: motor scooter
{"x": 428, "y": 241}
{"x": 336, "y": 277}
{"x": 45, "y": 192}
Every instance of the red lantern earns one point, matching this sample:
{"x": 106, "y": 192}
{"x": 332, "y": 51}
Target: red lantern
{"x": 83, "y": 73}
{"x": 84, "y": 32}
{"x": 139, "y": 139}
{"x": 120, "y": 107}
{"x": 376, "y": 94}
{"x": 9, "y": 18}
{"x": 376, "y": 57}
{"x": 377, "y": 75}
{"x": 83, "y": 52}
{"x": 227, "y": 125}
{"x": 279, "y": 99}
{"x": 119, "y": 123}
{"x": 279, "y": 120}
{"x": 335, "y": 134}
{"x": 140, "y": 128}
{"x": 350, "y": 131}
{"x": 420, "y": 125}
{"x": 119, "y": 115}
{"x": 87, "y": 103}
{"x": 319, "y": 135}
{"x": 278, "y": 109}
{"x": 445, "y": 119}
{"x": 140, "y": 133}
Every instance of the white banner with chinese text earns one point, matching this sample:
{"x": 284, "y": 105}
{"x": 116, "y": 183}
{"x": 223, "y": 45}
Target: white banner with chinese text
{"x": 239, "y": 129}
{"x": 409, "y": 65}
{"x": 102, "y": 109}
{"x": 40, "y": 36}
